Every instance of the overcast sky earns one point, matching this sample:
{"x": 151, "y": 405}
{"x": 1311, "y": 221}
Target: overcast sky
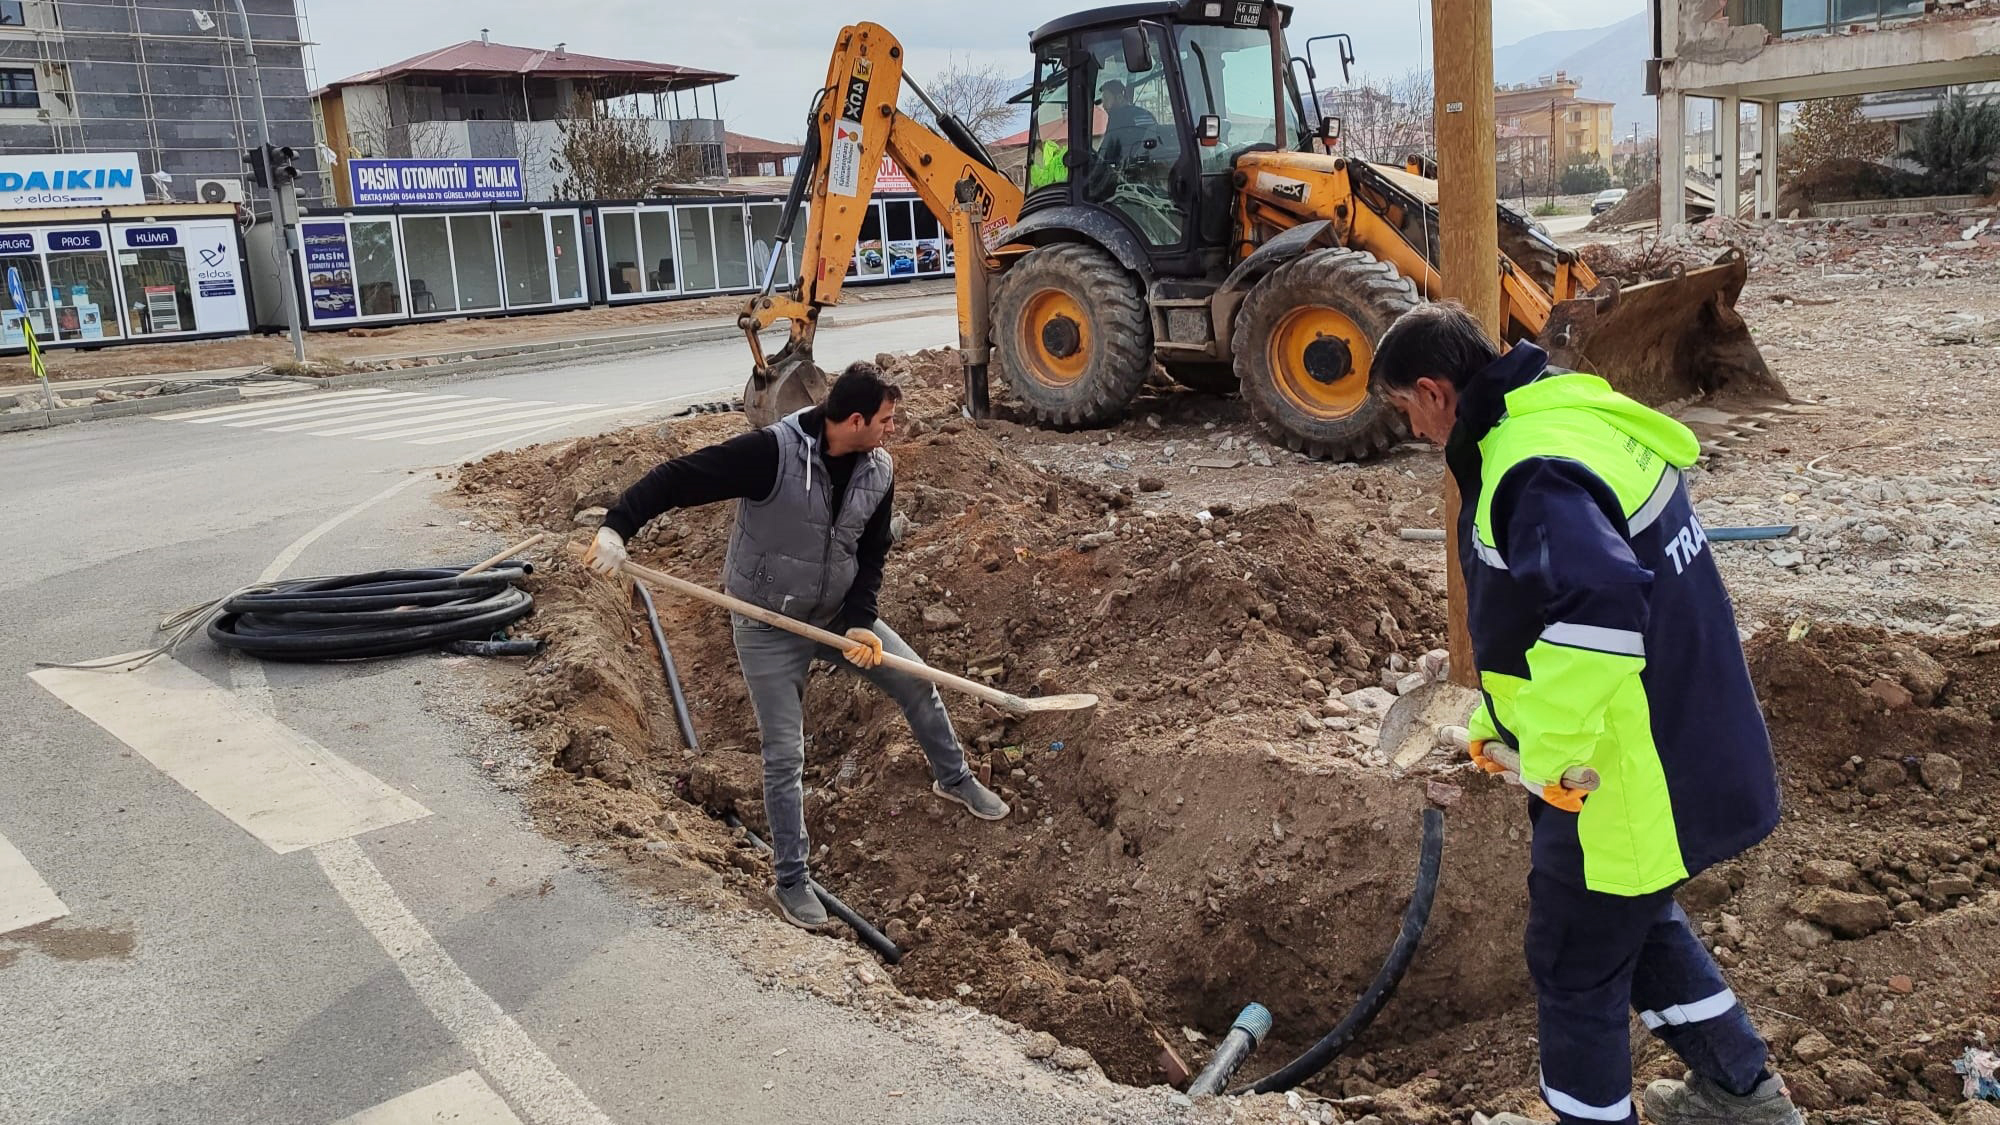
{"x": 778, "y": 48}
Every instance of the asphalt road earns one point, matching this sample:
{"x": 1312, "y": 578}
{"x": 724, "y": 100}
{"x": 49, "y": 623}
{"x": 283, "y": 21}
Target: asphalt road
{"x": 241, "y": 893}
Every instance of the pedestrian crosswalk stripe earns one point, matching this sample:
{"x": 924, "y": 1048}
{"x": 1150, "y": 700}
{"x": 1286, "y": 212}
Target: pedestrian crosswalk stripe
{"x": 462, "y": 1099}
{"x": 241, "y": 408}
{"x": 373, "y": 414}
{"x": 461, "y": 424}
{"x": 24, "y": 899}
{"x": 539, "y": 423}
{"x": 428, "y": 413}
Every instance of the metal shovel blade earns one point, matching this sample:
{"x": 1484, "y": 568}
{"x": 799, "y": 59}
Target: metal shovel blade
{"x": 1665, "y": 341}
{"x": 790, "y": 383}
{"x": 1409, "y": 730}
{"x": 1028, "y": 705}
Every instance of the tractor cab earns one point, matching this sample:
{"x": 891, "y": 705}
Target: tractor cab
{"x": 1138, "y": 113}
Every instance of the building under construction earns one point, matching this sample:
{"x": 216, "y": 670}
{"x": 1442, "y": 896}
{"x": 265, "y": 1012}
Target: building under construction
{"x": 167, "y": 80}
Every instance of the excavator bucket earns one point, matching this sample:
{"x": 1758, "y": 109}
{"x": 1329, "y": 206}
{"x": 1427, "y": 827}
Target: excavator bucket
{"x": 1665, "y": 341}
{"x": 790, "y": 382}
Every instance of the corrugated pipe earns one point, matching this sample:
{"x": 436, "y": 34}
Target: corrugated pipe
{"x": 1384, "y": 986}
{"x": 870, "y": 936}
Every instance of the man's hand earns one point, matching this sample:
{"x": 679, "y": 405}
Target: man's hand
{"x": 606, "y": 553}
{"x": 1479, "y": 758}
{"x": 867, "y": 649}
{"x": 1568, "y": 800}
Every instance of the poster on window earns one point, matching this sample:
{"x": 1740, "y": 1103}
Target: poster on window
{"x": 329, "y": 271}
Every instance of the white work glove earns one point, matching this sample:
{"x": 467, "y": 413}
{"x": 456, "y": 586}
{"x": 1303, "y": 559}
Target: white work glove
{"x": 606, "y": 553}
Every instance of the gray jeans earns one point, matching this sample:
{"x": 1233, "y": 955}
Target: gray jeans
{"x": 774, "y": 666}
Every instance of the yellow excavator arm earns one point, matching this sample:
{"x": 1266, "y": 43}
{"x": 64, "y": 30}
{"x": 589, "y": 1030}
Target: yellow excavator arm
{"x": 855, "y": 123}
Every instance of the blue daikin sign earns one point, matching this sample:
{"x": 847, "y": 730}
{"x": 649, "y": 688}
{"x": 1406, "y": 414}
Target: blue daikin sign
{"x": 93, "y": 179}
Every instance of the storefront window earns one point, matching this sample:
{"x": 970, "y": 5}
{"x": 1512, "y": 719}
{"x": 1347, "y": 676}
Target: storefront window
{"x": 697, "y": 249}
{"x": 157, "y": 298}
{"x": 621, "y": 252}
{"x": 656, "y": 260}
{"x": 427, "y": 258}
{"x": 375, "y": 277}
{"x": 87, "y": 306}
{"x": 902, "y": 231}
{"x": 869, "y": 259}
{"x": 30, "y": 267}
{"x": 732, "y": 247}
{"x": 930, "y": 241}
{"x": 474, "y": 254}
{"x": 764, "y": 240}
{"x": 524, "y": 254}
{"x": 568, "y": 252}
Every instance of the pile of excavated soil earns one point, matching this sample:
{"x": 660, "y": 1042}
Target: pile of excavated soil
{"x": 1225, "y": 830}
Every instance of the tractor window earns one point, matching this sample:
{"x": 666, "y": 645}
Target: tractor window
{"x": 1227, "y": 71}
{"x": 1134, "y": 139}
{"x": 1048, "y": 125}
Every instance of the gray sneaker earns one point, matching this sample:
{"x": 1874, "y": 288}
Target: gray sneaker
{"x": 799, "y": 905}
{"x": 984, "y": 803}
{"x": 1699, "y": 1101}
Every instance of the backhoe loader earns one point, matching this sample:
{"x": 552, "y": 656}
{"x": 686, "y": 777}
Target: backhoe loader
{"x": 1181, "y": 206}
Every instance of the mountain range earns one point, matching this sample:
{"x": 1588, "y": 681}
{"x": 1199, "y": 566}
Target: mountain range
{"x": 1609, "y": 62}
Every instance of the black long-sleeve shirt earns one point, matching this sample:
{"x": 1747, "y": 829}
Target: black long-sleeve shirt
{"x": 746, "y": 468}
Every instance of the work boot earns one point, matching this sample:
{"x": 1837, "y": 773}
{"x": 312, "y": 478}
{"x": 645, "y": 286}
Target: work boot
{"x": 799, "y": 905}
{"x": 1699, "y": 1101}
{"x": 984, "y": 803}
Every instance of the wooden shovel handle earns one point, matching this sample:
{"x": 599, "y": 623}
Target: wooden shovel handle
{"x": 1004, "y": 700}
{"x": 1575, "y": 777}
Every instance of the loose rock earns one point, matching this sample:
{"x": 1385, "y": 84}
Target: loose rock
{"x": 1847, "y": 914}
{"x": 1041, "y": 1045}
{"x": 1072, "y": 1058}
{"x": 1941, "y": 773}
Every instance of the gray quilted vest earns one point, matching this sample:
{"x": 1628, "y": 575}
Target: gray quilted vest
{"x": 788, "y": 553}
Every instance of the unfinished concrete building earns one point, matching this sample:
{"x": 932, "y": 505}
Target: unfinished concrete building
{"x": 166, "y": 80}
{"x": 1768, "y": 52}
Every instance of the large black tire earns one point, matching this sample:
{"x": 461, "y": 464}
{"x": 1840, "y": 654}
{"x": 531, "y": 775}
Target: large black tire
{"x": 1304, "y": 339}
{"x": 1208, "y": 378}
{"x": 1072, "y": 336}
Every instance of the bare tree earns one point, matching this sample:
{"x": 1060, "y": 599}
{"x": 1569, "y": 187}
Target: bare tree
{"x": 976, "y": 95}
{"x": 1384, "y": 119}
{"x": 598, "y": 156}
{"x": 371, "y": 135}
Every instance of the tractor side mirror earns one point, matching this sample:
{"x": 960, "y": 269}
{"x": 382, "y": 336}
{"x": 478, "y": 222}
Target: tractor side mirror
{"x": 1138, "y": 53}
{"x": 1329, "y": 130}
{"x": 1208, "y": 130}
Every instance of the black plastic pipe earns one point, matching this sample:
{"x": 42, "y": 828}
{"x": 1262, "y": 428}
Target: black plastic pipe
{"x": 870, "y": 936}
{"x": 1252, "y": 1024}
{"x": 681, "y": 716}
{"x": 1384, "y": 986}
{"x": 380, "y": 613}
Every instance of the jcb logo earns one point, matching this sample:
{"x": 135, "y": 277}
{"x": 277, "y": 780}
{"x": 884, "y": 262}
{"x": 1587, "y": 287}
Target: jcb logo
{"x": 857, "y": 90}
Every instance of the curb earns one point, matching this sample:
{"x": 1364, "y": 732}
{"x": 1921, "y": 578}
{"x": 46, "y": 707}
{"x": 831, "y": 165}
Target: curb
{"x": 496, "y": 358}
{"x": 98, "y": 411}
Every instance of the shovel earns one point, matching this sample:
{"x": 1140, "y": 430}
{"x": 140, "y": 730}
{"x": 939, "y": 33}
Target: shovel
{"x": 1409, "y": 731}
{"x": 1006, "y": 701}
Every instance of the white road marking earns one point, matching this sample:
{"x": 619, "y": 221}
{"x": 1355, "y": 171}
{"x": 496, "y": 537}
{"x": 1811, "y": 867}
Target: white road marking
{"x": 462, "y": 1099}
{"x": 449, "y": 410}
{"x": 496, "y": 431}
{"x": 276, "y": 784}
{"x": 24, "y": 899}
{"x": 242, "y": 410}
{"x": 321, "y": 414}
{"x": 502, "y": 1049}
{"x": 579, "y": 408}
{"x": 390, "y": 410}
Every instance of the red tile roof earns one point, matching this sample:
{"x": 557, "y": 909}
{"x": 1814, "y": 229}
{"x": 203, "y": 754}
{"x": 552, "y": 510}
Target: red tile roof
{"x": 477, "y": 57}
{"x": 743, "y": 142}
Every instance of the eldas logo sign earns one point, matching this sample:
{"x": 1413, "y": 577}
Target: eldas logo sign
{"x": 70, "y": 181}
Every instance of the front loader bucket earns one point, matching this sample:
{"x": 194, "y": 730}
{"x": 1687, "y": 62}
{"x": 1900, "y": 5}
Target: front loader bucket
{"x": 791, "y": 382}
{"x": 1665, "y": 341}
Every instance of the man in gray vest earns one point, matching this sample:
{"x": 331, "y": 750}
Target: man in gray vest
{"x": 813, "y": 494}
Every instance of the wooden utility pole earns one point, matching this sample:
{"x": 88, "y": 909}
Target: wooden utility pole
{"x": 1468, "y": 224}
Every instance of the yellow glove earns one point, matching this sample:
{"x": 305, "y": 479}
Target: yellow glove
{"x": 1568, "y": 800}
{"x": 867, "y": 650}
{"x": 1479, "y": 758}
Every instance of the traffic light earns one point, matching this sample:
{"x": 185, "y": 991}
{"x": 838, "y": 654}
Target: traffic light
{"x": 283, "y": 165}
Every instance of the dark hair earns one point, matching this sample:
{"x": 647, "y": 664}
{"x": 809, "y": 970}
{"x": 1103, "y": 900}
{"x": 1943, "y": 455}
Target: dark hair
{"x": 1440, "y": 340}
{"x": 862, "y": 390}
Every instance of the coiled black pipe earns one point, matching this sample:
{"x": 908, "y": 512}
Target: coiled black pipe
{"x": 380, "y": 613}
{"x": 870, "y": 936}
{"x": 1384, "y": 986}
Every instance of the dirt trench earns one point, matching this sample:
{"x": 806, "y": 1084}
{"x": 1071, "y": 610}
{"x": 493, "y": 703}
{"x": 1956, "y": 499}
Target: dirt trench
{"x": 1225, "y": 830}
